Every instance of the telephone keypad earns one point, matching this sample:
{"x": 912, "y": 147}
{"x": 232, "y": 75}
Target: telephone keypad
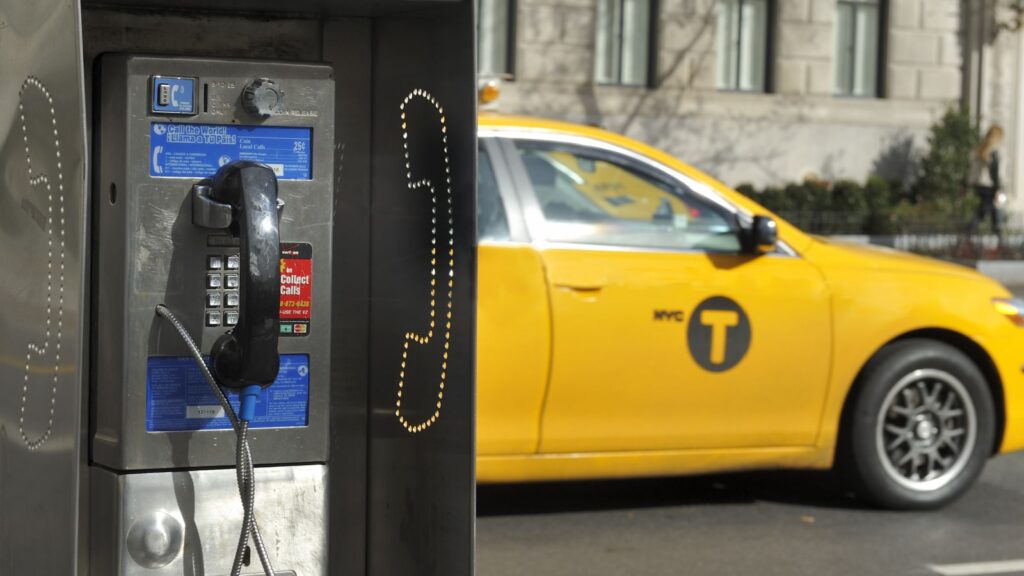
{"x": 222, "y": 290}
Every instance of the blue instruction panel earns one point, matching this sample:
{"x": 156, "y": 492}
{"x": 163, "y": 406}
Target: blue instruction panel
{"x": 178, "y": 398}
{"x": 179, "y": 150}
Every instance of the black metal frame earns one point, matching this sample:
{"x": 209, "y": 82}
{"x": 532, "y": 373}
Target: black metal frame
{"x": 651, "y": 81}
{"x": 881, "y": 88}
{"x": 420, "y": 487}
{"x": 653, "y": 17}
{"x": 883, "y": 47}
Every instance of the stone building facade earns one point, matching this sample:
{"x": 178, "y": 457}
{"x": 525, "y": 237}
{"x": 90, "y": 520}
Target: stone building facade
{"x": 930, "y": 54}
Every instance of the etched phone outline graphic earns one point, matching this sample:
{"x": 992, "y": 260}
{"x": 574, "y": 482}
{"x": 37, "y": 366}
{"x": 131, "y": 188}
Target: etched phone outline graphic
{"x": 437, "y": 253}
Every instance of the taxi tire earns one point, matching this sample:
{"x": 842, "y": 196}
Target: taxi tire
{"x": 859, "y": 459}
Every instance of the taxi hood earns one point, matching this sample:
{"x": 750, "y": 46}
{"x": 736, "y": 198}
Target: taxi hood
{"x": 829, "y": 253}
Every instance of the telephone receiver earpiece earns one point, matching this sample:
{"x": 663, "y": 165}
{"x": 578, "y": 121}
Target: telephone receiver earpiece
{"x": 242, "y": 197}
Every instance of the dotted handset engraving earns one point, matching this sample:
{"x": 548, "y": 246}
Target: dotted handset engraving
{"x": 53, "y": 185}
{"x": 437, "y": 254}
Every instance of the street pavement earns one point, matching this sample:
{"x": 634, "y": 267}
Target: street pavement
{"x": 764, "y": 523}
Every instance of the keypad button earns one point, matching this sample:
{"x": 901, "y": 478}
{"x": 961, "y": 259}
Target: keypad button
{"x": 234, "y": 262}
{"x": 214, "y": 299}
{"x": 213, "y": 281}
{"x": 231, "y": 299}
{"x": 215, "y": 262}
{"x": 231, "y": 281}
{"x": 213, "y": 318}
{"x": 230, "y": 318}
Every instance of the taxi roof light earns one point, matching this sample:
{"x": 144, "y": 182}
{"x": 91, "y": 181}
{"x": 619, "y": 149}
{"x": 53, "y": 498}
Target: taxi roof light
{"x": 489, "y": 91}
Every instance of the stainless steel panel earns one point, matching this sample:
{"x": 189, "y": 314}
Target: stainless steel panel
{"x": 193, "y": 518}
{"x": 42, "y": 251}
{"x": 149, "y": 252}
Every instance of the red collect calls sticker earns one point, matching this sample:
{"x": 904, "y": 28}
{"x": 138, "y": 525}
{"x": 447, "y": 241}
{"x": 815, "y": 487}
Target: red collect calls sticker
{"x": 296, "y": 288}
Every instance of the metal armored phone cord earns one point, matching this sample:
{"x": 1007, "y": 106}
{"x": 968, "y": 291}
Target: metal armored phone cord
{"x": 243, "y": 456}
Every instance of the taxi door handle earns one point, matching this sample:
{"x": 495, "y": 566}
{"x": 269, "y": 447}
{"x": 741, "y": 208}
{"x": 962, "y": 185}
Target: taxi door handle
{"x": 582, "y": 286}
{"x": 580, "y": 282}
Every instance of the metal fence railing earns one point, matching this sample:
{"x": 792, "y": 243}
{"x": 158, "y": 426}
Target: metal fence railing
{"x": 932, "y": 236}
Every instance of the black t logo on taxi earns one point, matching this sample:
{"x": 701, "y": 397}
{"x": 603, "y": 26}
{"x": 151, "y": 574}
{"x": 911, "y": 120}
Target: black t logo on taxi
{"x": 718, "y": 334}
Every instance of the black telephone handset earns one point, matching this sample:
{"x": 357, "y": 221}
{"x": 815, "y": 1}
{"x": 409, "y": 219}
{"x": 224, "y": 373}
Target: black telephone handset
{"x": 242, "y": 196}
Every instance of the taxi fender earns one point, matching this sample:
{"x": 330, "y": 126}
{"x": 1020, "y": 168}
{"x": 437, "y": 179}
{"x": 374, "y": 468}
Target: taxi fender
{"x": 872, "y": 310}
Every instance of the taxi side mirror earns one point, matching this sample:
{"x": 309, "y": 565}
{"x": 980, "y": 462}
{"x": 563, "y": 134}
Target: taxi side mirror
{"x": 762, "y": 236}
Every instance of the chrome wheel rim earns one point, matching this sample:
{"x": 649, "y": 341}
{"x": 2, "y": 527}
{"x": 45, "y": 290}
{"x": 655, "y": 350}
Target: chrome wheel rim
{"x": 926, "y": 430}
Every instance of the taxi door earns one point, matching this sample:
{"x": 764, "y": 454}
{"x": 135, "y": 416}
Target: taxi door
{"x": 664, "y": 335}
{"x": 513, "y": 319}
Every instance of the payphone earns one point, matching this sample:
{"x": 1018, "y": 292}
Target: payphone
{"x": 149, "y": 150}
{"x": 212, "y": 270}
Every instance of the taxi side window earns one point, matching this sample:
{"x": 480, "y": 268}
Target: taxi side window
{"x": 491, "y": 221}
{"x": 594, "y": 197}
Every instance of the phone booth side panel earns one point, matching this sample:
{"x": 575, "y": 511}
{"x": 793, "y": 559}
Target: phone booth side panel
{"x": 43, "y": 298}
{"x": 423, "y": 277}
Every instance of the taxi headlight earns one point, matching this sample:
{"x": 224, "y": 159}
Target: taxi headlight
{"x": 1011, "y": 308}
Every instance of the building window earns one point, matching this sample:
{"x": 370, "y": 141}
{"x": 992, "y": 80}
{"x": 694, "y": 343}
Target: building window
{"x": 743, "y": 45}
{"x": 495, "y": 20}
{"x": 858, "y": 52}
{"x": 623, "y": 43}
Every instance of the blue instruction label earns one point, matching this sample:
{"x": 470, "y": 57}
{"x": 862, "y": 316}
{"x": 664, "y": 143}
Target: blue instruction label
{"x": 174, "y": 95}
{"x": 178, "y": 398}
{"x": 178, "y": 150}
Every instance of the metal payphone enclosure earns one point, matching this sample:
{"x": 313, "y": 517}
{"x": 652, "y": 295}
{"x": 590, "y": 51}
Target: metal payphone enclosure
{"x": 149, "y": 251}
{"x": 163, "y": 124}
{"x": 93, "y": 236}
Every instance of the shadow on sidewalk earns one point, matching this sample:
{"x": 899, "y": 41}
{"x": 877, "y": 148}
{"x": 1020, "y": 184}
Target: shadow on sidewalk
{"x": 818, "y": 489}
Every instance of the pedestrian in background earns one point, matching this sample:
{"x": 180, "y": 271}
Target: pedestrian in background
{"x": 986, "y": 182}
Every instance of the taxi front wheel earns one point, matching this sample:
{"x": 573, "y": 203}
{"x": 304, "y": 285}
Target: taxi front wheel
{"x": 920, "y": 428}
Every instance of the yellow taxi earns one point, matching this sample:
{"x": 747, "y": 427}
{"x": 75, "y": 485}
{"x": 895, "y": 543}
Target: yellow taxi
{"x": 638, "y": 318}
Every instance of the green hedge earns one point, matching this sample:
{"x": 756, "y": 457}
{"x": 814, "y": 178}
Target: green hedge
{"x": 937, "y": 200}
